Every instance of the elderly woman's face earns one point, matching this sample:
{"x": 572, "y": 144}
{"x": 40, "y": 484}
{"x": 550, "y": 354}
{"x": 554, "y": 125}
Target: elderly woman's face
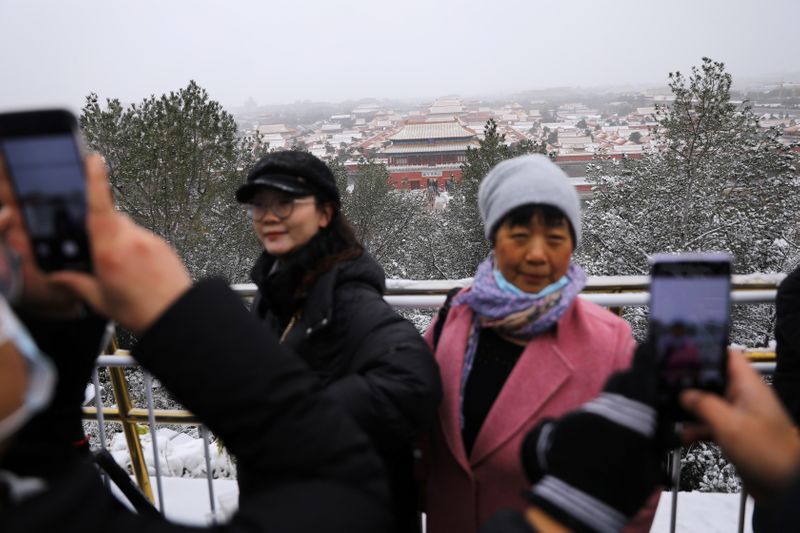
{"x": 533, "y": 255}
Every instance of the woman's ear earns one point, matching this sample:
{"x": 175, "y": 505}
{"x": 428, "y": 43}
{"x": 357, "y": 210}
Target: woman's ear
{"x": 327, "y": 214}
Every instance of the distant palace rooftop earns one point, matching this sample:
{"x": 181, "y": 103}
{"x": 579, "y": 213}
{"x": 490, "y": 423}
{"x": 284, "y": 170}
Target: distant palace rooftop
{"x": 423, "y": 148}
{"x": 432, "y": 130}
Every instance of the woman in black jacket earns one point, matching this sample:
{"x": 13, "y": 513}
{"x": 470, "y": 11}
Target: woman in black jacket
{"x": 314, "y": 470}
{"x": 323, "y": 295}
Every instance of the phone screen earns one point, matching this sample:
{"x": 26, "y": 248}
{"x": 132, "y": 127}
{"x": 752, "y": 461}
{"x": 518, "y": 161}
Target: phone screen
{"x": 689, "y": 321}
{"x": 47, "y": 174}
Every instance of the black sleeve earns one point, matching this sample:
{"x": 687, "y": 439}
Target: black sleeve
{"x": 316, "y": 471}
{"x": 53, "y": 437}
{"x": 787, "y": 337}
{"x": 780, "y": 513}
{"x": 261, "y": 401}
{"x": 396, "y": 388}
{"x": 77, "y": 502}
{"x": 507, "y": 521}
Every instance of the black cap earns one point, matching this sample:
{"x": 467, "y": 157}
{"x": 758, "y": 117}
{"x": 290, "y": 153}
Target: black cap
{"x": 293, "y": 172}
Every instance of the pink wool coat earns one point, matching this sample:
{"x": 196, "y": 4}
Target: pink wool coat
{"x": 556, "y": 372}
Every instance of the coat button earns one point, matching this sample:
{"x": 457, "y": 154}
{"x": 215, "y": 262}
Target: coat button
{"x": 324, "y": 321}
{"x": 308, "y": 331}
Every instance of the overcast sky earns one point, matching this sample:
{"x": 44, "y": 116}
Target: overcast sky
{"x": 55, "y": 52}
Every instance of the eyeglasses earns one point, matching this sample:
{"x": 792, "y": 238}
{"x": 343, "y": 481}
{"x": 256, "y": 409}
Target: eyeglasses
{"x": 280, "y": 207}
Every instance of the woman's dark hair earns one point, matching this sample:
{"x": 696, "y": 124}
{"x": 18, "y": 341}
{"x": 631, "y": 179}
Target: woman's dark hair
{"x": 332, "y": 244}
{"x": 337, "y": 242}
{"x": 521, "y": 216}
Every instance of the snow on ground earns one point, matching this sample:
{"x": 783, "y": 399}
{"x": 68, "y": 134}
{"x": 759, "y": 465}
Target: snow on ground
{"x": 180, "y": 455}
{"x": 186, "y": 501}
{"x": 703, "y": 512}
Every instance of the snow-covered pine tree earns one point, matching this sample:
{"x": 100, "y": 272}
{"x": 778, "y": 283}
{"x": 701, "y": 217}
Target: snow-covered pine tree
{"x": 383, "y": 219}
{"x": 175, "y": 162}
{"x": 713, "y": 181}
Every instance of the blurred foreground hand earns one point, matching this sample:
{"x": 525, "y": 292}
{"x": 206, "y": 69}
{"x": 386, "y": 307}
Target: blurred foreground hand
{"x": 751, "y": 426}
{"x": 137, "y": 275}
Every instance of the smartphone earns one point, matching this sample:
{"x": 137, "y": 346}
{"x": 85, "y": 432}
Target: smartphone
{"x": 43, "y": 157}
{"x": 689, "y": 325}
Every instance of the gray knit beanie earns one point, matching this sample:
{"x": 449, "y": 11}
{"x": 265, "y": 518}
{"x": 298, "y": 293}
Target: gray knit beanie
{"x": 528, "y": 179}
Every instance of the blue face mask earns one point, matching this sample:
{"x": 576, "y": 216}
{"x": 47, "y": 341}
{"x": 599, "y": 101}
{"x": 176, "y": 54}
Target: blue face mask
{"x": 510, "y": 288}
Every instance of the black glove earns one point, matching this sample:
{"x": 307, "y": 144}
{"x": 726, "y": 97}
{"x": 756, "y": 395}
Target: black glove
{"x": 595, "y": 467}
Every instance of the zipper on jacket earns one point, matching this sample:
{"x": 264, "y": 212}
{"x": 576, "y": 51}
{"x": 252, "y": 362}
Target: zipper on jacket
{"x": 290, "y": 325}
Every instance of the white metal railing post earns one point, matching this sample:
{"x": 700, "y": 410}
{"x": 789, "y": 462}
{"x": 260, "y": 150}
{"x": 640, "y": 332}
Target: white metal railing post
{"x": 742, "y": 509}
{"x": 151, "y": 420}
{"x": 101, "y": 421}
{"x": 209, "y": 477}
{"x": 676, "y": 481}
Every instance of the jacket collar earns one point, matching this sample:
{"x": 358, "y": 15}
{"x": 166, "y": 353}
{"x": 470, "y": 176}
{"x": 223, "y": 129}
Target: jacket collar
{"x": 318, "y": 302}
{"x": 317, "y": 307}
{"x": 523, "y": 396}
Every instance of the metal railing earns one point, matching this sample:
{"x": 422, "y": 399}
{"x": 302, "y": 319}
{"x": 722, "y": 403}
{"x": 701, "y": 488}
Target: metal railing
{"x": 131, "y": 418}
{"x": 615, "y": 292}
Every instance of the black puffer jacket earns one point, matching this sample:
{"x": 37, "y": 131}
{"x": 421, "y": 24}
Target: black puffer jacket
{"x": 787, "y": 349}
{"x": 370, "y": 360}
{"x": 314, "y": 469}
{"x": 786, "y": 379}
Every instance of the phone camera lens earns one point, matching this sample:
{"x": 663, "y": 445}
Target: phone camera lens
{"x": 69, "y": 248}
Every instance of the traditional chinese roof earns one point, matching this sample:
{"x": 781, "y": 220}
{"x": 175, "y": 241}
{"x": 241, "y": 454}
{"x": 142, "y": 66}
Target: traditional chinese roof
{"x": 432, "y": 130}
{"x": 574, "y": 140}
{"x": 266, "y": 129}
{"x": 429, "y": 148}
{"x": 366, "y": 108}
{"x": 629, "y": 148}
{"x": 439, "y": 118}
{"x": 446, "y": 109}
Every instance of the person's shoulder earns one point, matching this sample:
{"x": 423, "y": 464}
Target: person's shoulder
{"x": 362, "y": 272}
{"x": 458, "y": 307}
{"x": 358, "y": 292}
{"x": 790, "y": 285}
{"x": 451, "y": 312}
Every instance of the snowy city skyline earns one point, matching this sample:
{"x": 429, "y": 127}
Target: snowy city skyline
{"x": 349, "y": 50}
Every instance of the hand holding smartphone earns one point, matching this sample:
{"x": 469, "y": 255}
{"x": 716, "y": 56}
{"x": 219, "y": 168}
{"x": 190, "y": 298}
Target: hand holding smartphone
{"x": 65, "y": 202}
{"x": 44, "y": 162}
{"x": 689, "y": 323}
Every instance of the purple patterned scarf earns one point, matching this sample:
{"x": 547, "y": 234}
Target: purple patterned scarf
{"x": 518, "y": 316}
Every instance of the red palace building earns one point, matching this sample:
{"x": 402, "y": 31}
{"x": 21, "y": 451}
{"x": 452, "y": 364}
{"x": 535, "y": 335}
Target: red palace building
{"x": 423, "y": 152}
